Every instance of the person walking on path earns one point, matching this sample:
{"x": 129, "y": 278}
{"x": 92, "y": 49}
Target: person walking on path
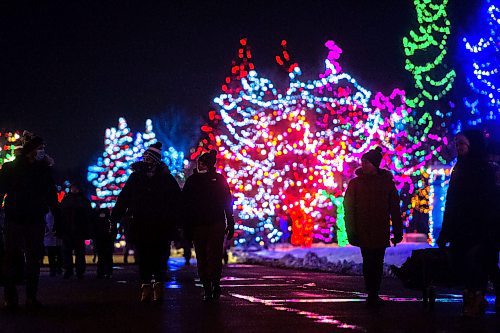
{"x": 27, "y": 181}
{"x": 468, "y": 224}
{"x": 371, "y": 202}
{"x": 75, "y": 229}
{"x": 208, "y": 210}
{"x": 150, "y": 197}
{"x": 53, "y": 246}
{"x": 104, "y": 243}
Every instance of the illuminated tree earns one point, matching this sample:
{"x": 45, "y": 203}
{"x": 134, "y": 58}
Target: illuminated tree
{"x": 290, "y": 153}
{"x": 425, "y": 50}
{"x": 112, "y": 170}
{"x": 9, "y": 142}
{"x": 482, "y": 61}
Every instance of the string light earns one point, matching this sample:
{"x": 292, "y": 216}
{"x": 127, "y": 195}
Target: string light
{"x": 291, "y": 153}
{"x": 429, "y": 41}
{"x": 109, "y": 175}
{"x": 482, "y": 65}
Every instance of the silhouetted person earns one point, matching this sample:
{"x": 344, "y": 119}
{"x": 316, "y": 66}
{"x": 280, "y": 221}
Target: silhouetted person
{"x": 104, "y": 243}
{"x": 53, "y": 246}
{"x": 208, "y": 211}
{"x": 150, "y": 196}
{"x": 75, "y": 228}
{"x": 371, "y": 202}
{"x": 31, "y": 192}
{"x": 467, "y": 223}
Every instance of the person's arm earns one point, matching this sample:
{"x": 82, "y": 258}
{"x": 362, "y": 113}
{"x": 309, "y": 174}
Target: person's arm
{"x": 449, "y": 210}
{"x": 124, "y": 201}
{"x": 350, "y": 213}
{"x": 228, "y": 209}
{"x": 395, "y": 208}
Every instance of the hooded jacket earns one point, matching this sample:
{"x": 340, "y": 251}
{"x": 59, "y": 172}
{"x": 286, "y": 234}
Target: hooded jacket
{"x": 30, "y": 190}
{"x": 151, "y": 202}
{"x": 370, "y": 203}
{"x": 207, "y": 199}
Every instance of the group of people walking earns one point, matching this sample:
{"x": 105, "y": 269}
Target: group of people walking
{"x": 155, "y": 206}
{"x": 152, "y": 202}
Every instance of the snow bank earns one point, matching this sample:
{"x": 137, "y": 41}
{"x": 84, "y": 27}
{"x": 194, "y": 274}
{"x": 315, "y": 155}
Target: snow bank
{"x": 329, "y": 258}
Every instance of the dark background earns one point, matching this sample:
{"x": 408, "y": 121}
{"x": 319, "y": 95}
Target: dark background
{"x": 68, "y": 71}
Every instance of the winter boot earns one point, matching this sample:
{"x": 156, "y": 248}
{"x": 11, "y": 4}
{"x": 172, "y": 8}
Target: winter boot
{"x": 216, "y": 291}
{"x": 373, "y": 300}
{"x": 474, "y": 304}
{"x": 31, "y": 291}
{"x": 11, "y": 298}
{"x": 158, "y": 292}
{"x": 207, "y": 291}
{"x": 146, "y": 292}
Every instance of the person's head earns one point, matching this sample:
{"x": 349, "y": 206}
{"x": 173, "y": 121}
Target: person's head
{"x": 207, "y": 161}
{"x": 370, "y": 161}
{"x": 152, "y": 155}
{"x": 34, "y": 149}
{"x": 75, "y": 188}
{"x": 470, "y": 143}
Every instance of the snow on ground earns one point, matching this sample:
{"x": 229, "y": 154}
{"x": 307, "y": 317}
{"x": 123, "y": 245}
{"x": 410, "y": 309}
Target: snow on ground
{"x": 331, "y": 258}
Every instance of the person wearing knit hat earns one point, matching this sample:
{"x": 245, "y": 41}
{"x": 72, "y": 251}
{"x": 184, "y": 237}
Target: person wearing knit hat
{"x": 374, "y": 156}
{"x": 371, "y": 202}
{"x": 150, "y": 199}
{"x": 31, "y": 193}
{"x": 153, "y": 153}
{"x": 208, "y": 207}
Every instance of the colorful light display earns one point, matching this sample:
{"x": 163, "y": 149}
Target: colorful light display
{"x": 9, "y": 142}
{"x": 110, "y": 173}
{"x": 482, "y": 55}
{"x": 425, "y": 50}
{"x": 291, "y": 153}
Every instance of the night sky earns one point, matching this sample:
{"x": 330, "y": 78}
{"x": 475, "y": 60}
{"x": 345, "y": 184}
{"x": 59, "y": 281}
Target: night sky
{"x": 68, "y": 71}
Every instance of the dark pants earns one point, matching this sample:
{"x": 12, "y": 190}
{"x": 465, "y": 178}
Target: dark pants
{"x": 70, "y": 245}
{"x": 24, "y": 250}
{"x": 54, "y": 254}
{"x": 209, "y": 246}
{"x": 152, "y": 260}
{"x": 186, "y": 247}
{"x": 373, "y": 269}
{"x": 471, "y": 262}
{"x": 104, "y": 248}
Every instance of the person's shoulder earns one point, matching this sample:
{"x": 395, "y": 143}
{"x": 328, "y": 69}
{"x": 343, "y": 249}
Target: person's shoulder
{"x": 386, "y": 174}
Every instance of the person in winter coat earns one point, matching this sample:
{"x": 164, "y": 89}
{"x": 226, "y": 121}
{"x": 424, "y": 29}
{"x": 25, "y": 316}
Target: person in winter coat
{"x": 31, "y": 192}
{"x": 104, "y": 243}
{"x": 76, "y": 222}
{"x": 150, "y": 197}
{"x": 208, "y": 209}
{"x": 371, "y": 202}
{"x": 468, "y": 224}
{"x": 53, "y": 246}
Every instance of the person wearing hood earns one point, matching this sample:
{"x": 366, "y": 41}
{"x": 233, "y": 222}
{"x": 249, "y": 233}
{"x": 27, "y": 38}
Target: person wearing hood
{"x": 371, "y": 203}
{"x": 468, "y": 224}
{"x": 150, "y": 198}
{"x": 208, "y": 209}
{"x": 27, "y": 181}
{"x": 76, "y": 223}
